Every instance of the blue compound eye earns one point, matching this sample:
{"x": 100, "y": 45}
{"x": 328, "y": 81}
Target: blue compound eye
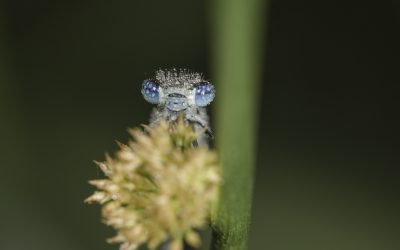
{"x": 150, "y": 91}
{"x": 204, "y": 94}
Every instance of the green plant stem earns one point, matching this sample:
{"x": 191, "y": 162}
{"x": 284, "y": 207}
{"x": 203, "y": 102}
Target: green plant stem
{"x": 238, "y": 38}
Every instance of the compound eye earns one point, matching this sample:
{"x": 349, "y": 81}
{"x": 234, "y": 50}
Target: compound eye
{"x": 150, "y": 91}
{"x": 204, "y": 94}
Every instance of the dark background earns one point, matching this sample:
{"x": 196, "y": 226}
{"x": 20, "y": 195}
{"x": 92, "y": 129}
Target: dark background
{"x": 328, "y": 155}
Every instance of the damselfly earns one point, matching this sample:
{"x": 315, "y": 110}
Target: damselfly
{"x": 180, "y": 92}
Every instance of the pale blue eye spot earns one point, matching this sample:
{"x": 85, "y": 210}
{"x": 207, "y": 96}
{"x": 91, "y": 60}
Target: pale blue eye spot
{"x": 204, "y": 94}
{"x": 150, "y": 91}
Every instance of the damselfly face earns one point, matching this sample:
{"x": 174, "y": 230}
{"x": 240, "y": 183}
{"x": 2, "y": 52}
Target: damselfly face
{"x": 178, "y": 90}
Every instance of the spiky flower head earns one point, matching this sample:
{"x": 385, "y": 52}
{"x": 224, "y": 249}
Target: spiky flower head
{"x": 158, "y": 187}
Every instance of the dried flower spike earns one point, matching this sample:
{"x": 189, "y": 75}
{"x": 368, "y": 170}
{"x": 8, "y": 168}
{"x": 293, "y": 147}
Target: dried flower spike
{"x": 158, "y": 187}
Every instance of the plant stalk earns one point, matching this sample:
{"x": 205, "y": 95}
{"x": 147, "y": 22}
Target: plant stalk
{"x": 238, "y": 38}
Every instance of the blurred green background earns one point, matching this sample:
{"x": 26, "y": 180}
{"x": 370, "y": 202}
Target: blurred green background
{"x": 328, "y": 165}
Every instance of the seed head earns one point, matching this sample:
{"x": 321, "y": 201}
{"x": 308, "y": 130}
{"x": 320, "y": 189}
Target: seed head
{"x": 158, "y": 187}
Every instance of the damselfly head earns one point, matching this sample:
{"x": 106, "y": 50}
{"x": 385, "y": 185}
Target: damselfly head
{"x": 178, "y": 90}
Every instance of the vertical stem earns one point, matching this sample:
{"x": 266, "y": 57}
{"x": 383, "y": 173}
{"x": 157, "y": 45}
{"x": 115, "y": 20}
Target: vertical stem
{"x": 238, "y": 38}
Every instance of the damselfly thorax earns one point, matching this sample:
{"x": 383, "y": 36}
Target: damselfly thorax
{"x": 180, "y": 93}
